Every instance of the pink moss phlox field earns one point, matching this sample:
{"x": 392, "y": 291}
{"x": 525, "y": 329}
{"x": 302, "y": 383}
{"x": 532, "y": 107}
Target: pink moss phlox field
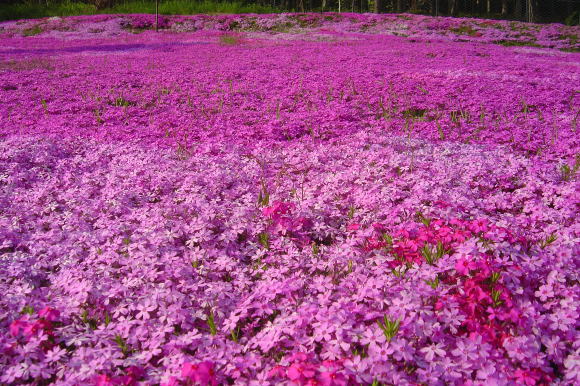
{"x": 313, "y": 199}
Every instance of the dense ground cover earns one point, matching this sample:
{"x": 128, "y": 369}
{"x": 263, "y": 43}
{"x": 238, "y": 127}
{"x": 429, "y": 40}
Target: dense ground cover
{"x": 311, "y": 199}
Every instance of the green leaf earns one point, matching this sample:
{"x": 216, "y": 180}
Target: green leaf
{"x": 27, "y": 310}
{"x": 263, "y": 195}
{"x": 548, "y": 240}
{"x": 211, "y": 323}
{"x": 107, "y": 319}
{"x": 433, "y": 283}
{"x": 235, "y": 334}
{"x": 264, "y": 239}
{"x": 122, "y": 344}
{"x": 495, "y": 295}
{"x": 315, "y": 249}
{"x": 387, "y": 238}
{"x": 351, "y": 210}
{"x": 389, "y": 327}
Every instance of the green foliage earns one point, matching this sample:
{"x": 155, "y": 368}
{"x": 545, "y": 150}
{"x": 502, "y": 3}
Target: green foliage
{"x": 27, "y": 310}
{"x": 32, "y": 31}
{"x": 432, "y": 255}
{"x": 516, "y": 43}
{"x": 414, "y": 113}
{"x": 97, "y": 114}
{"x": 315, "y": 249}
{"x": 107, "y": 319}
{"x": 433, "y": 283}
{"x": 263, "y": 196}
{"x": 264, "y": 239}
{"x": 32, "y": 10}
{"x": 495, "y": 296}
{"x": 400, "y": 271}
{"x": 573, "y": 19}
{"x": 387, "y": 238}
{"x": 235, "y": 334}
{"x": 230, "y": 40}
{"x": 424, "y": 220}
{"x": 567, "y": 173}
{"x": 548, "y": 240}
{"x": 121, "y": 102}
{"x": 464, "y": 29}
{"x": 211, "y": 323}
{"x": 389, "y": 327}
{"x": 122, "y": 345}
{"x": 92, "y": 323}
{"x": 440, "y": 131}
{"x": 351, "y": 211}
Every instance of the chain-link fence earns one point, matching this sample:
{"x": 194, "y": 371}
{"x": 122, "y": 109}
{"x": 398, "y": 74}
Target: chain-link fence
{"x": 543, "y": 11}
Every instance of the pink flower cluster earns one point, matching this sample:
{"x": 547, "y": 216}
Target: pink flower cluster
{"x": 296, "y": 228}
{"x": 303, "y": 369}
{"x": 196, "y": 374}
{"x": 131, "y": 378}
{"x": 29, "y": 327}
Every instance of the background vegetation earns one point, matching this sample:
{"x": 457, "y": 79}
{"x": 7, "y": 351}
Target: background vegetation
{"x": 564, "y": 11}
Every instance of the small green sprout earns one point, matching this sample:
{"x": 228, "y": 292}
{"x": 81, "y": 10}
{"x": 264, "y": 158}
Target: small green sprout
{"x": 122, "y": 344}
{"x": 387, "y": 238}
{"x": 97, "y": 114}
{"x": 107, "y": 319}
{"x": 44, "y": 105}
{"x": 315, "y": 249}
{"x": 264, "y": 239}
{"x": 122, "y": 102}
{"x": 211, "y": 323}
{"x": 548, "y": 240}
{"x": 440, "y": 131}
{"x": 263, "y": 196}
{"x": 235, "y": 334}
{"x": 433, "y": 283}
{"x": 92, "y": 323}
{"x": 27, "y": 310}
{"x": 454, "y": 116}
{"x": 351, "y": 210}
{"x": 425, "y": 220}
{"x": 495, "y": 296}
{"x": 398, "y": 272}
{"x": 389, "y": 327}
{"x": 431, "y": 256}
{"x": 349, "y": 267}
{"x": 567, "y": 173}
{"x": 486, "y": 243}
{"x": 495, "y": 277}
